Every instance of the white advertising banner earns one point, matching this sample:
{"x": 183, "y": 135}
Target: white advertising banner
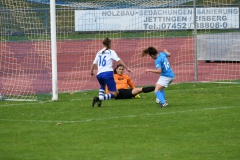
{"x": 156, "y": 19}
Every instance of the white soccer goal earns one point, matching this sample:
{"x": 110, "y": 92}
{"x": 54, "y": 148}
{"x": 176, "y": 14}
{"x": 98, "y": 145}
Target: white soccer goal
{"x": 31, "y": 46}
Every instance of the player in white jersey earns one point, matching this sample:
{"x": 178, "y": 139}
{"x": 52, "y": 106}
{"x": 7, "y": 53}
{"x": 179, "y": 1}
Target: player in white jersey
{"x": 164, "y": 69}
{"x": 104, "y": 61}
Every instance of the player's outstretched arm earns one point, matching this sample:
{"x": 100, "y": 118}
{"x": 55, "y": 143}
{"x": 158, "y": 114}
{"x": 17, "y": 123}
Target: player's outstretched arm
{"x": 167, "y": 52}
{"x": 157, "y": 71}
{"x": 92, "y": 68}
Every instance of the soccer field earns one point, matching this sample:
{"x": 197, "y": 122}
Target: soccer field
{"x": 202, "y": 121}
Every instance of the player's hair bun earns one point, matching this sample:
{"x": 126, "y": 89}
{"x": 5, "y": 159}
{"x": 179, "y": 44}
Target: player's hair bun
{"x": 106, "y": 41}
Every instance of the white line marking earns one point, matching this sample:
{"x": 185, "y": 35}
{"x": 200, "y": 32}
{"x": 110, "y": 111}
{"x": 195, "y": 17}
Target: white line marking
{"x": 28, "y": 103}
{"x": 110, "y": 118}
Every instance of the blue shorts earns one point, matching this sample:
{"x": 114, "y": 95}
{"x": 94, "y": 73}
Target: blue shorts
{"x": 106, "y": 79}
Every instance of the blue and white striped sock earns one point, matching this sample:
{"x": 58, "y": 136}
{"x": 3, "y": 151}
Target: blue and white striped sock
{"x": 106, "y": 96}
{"x": 101, "y": 93}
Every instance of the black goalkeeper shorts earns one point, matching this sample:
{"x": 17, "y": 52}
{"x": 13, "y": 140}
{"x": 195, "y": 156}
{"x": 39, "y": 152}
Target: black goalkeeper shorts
{"x": 124, "y": 94}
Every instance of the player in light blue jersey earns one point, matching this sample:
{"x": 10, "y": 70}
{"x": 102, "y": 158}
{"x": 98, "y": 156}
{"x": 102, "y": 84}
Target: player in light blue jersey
{"x": 164, "y": 69}
{"x": 104, "y": 61}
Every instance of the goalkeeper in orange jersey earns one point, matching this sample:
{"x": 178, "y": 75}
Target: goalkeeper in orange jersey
{"x": 125, "y": 85}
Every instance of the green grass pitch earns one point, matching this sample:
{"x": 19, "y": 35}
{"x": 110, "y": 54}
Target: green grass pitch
{"x": 202, "y": 121}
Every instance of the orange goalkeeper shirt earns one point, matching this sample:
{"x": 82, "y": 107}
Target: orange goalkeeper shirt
{"x": 122, "y": 82}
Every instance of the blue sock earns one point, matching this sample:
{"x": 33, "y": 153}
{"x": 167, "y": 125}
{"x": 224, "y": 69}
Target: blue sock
{"x": 163, "y": 93}
{"x": 159, "y": 96}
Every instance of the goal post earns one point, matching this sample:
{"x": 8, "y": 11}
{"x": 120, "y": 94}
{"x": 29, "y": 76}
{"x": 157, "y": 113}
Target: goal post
{"x": 48, "y": 46}
{"x": 54, "y": 50}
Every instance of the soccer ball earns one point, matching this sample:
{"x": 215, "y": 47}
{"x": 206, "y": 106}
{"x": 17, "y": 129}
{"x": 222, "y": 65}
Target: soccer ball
{"x": 157, "y": 100}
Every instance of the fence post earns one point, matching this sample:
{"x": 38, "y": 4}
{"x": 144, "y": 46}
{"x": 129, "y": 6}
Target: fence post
{"x": 195, "y": 44}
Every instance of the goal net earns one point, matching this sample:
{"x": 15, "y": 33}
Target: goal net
{"x": 208, "y": 51}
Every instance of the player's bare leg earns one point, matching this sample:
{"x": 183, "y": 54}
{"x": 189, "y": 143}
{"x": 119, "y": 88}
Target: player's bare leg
{"x": 136, "y": 91}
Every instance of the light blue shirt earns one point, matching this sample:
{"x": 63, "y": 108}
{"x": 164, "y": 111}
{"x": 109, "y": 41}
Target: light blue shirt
{"x": 163, "y": 63}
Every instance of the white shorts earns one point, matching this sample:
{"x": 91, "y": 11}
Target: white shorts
{"x": 165, "y": 81}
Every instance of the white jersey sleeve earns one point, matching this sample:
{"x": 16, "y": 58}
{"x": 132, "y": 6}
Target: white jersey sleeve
{"x": 114, "y": 56}
{"x": 96, "y": 59}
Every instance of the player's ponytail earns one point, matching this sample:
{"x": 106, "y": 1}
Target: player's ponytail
{"x": 144, "y": 52}
{"x": 106, "y": 43}
{"x": 150, "y": 50}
